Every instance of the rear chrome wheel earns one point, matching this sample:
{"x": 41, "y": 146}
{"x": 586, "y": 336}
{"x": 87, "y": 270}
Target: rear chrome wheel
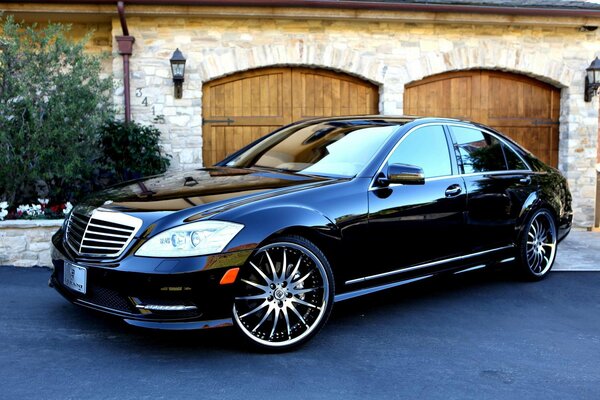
{"x": 285, "y": 294}
{"x": 537, "y": 249}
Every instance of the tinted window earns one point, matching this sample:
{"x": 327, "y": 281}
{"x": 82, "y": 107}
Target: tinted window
{"x": 427, "y": 148}
{"x": 513, "y": 160}
{"x": 478, "y": 151}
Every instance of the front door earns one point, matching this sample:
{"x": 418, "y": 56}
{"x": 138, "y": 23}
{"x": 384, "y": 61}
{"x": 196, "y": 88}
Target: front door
{"x": 415, "y": 224}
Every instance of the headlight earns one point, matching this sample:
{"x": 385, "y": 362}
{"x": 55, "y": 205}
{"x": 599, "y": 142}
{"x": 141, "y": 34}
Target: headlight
{"x": 195, "y": 239}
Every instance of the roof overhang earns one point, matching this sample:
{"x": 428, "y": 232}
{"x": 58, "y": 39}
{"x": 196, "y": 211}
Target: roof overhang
{"x": 99, "y": 10}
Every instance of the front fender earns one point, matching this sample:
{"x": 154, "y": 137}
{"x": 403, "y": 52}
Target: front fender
{"x": 264, "y": 223}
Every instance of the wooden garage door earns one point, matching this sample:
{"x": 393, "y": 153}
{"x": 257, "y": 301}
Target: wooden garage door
{"x": 523, "y": 108}
{"x": 241, "y": 108}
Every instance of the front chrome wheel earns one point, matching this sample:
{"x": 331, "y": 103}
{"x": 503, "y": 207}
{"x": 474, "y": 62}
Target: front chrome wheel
{"x": 284, "y": 295}
{"x": 538, "y": 247}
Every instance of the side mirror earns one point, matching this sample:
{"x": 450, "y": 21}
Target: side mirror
{"x": 402, "y": 173}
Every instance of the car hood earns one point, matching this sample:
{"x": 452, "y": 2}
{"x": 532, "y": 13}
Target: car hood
{"x": 207, "y": 189}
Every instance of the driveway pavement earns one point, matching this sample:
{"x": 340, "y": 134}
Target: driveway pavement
{"x": 580, "y": 251}
{"x": 482, "y": 335}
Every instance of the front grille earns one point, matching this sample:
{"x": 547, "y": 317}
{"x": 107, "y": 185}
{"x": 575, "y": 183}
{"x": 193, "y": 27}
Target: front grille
{"x": 101, "y": 234}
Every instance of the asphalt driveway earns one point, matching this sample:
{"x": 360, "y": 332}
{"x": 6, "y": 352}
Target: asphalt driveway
{"x": 482, "y": 335}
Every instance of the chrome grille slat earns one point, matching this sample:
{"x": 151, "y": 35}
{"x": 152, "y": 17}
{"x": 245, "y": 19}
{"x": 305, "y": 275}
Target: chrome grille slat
{"x": 76, "y": 235}
{"x": 78, "y": 225}
{"x": 73, "y": 243}
{"x": 110, "y": 225}
{"x": 100, "y": 247}
{"x": 107, "y": 243}
{"x": 94, "y": 222}
{"x": 108, "y": 230}
{"x": 102, "y": 234}
{"x": 82, "y": 219}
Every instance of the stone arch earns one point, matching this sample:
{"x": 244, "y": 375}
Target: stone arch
{"x": 501, "y": 58}
{"x": 226, "y": 61}
{"x": 510, "y": 59}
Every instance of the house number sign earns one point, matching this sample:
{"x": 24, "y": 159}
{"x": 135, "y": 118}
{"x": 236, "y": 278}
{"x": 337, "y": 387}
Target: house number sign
{"x": 139, "y": 93}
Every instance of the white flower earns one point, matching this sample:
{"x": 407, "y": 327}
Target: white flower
{"x": 43, "y": 201}
{"x": 32, "y": 210}
{"x": 3, "y": 205}
{"x": 3, "y": 214}
{"x": 68, "y": 208}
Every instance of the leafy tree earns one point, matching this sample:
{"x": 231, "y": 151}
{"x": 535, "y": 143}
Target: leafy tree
{"x": 53, "y": 100}
{"x": 130, "y": 151}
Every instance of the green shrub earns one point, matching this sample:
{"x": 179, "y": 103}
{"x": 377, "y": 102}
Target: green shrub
{"x": 130, "y": 151}
{"x": 53, "y": 99}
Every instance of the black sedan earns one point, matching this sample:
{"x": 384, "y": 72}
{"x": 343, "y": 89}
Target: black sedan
{"x": 316, "y": 212}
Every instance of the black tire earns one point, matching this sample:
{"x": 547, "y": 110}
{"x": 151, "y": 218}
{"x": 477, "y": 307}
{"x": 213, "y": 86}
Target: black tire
{"x": 276, "y": 308}
{"x": 536, "y": 247}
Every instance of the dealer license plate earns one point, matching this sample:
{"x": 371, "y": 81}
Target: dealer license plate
{"x": 75, "y": 277}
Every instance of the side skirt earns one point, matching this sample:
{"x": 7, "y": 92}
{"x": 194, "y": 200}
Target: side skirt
{"x": 426, "y": 265}
{"x": 373, "y": 289}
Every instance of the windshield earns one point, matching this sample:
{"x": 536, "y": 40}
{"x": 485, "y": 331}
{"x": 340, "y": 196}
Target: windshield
{"x": 338, "y": 148}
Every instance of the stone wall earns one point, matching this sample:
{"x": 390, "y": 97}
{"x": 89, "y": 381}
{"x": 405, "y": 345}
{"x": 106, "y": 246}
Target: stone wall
{"x": 387, "y": 53}
{"x": 27, "y": 243}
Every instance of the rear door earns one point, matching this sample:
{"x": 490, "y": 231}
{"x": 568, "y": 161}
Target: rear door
{"x": 498, "y": 182}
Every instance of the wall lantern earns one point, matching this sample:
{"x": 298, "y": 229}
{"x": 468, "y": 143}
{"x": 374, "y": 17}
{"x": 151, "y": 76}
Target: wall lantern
{"x": 592, "y": 80}
{"x": 178, "y": 71}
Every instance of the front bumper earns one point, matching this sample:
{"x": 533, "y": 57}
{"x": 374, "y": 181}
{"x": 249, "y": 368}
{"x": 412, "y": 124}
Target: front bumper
{"x": 193, "y": 299}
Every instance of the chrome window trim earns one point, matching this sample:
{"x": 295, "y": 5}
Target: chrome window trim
{"x": 426, "y": 265}
{"x": 449, "y": 124}
{"x": 507, "y": 172}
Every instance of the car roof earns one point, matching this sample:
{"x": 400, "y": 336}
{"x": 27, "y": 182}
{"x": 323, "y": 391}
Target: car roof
{"x": 385, "y": 118}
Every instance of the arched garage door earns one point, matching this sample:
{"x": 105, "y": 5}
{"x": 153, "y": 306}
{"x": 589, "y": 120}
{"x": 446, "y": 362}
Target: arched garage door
{"x": 243, "y": 107}
{"x": 523, "y": 108}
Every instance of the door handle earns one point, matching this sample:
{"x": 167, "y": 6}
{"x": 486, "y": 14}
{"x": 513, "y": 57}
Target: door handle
{"x": 526, "y": 180}
{"x": 453, "y": 190}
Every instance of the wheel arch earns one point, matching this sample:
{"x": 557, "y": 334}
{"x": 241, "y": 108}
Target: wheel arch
{"x": 533, "y": 203}
{"x": 329, "y": 244}
{"x": 270, "y": 223}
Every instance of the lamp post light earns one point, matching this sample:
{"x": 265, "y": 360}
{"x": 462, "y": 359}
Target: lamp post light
{"x": 178, "y": 71}
{"x": 592, "y": 80}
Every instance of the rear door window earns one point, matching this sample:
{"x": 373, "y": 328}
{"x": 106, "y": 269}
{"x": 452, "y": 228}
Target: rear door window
{"x": 478, "y": 151}
{"x": 515, "y": 163}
